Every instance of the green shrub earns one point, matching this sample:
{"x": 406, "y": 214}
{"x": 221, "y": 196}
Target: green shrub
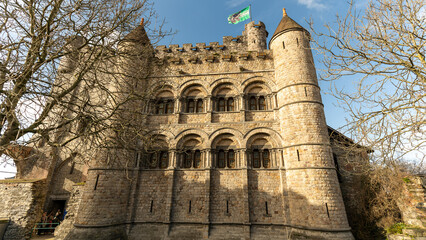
{"x": 396, "y": 228}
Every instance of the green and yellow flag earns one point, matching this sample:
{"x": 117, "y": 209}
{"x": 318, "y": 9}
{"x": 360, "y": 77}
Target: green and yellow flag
{"x": 239, "y": 16}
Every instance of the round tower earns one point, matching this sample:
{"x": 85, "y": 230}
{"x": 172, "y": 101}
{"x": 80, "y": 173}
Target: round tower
{"x": 256, "y": 35}
{"x": 314, "y": 197}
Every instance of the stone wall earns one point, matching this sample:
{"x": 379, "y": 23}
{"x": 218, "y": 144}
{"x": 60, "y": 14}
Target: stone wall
{"x": 22, "y": 202}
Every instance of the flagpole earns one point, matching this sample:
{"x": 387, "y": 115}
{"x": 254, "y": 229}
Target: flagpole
{"x": 250, "y": 12}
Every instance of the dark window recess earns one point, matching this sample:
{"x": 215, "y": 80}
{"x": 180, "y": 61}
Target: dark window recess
{"x": 256, "y": 158}
{"x": 188, "y": 159}
{"x": 231, "y": 159}
{"x": 230, "y": 104}
{"x": 266, "y": 208}
{"x": 336, "y": 165}
{"x": 262, "y": 103}
{"x": 189, "y": 210}
{"x": 252, "y": 103}
{"x": 283, "y": 45}
{"x": 227, "y": 206}
{"x": 306, "y": 92}
{"x": 164, "y": 159}
{"x": 191, "y": 106}
{"x": 197, "y": 159}
{"x": 200, "y": 107}
{"x": 221, "y": 163}
{"x": 266, "y": 158}
{"x": 297, "y": 41}
{"x": 221, "y": 105}
{"x": 152, "y": 205}
{"x": 72, "y": 167}
{"x": 298, "y": 155}
{"x": 96, "y": 183}
{"x": 326, "y": 207}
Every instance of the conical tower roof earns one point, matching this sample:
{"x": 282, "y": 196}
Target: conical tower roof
{"x": 138, "y": 34}
{"x": 287, "y": 24}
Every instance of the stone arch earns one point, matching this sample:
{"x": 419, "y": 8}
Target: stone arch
{"x": 162, "y": 85}
{"x": 192, "y": 131}
{"x": 192, "y": 83}
{"x": 256, "y": 82}
{"x": 169, "y": 136}
{"x": 220, "y": 81}
{"x": 236, "y": 133}
{"x": 274, "y": 136}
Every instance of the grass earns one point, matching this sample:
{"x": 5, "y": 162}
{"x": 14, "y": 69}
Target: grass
{"x": 20, "y": 180}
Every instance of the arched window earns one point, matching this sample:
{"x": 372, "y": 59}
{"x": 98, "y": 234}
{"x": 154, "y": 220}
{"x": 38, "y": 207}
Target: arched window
{"x": 230, "y": 104}
{"x": 191, "y": 106}
{"x": 169, "y": 107}
{"x": 200, "y": 107}
{"x": 256, "y": 158}
{"x": 160, "y": 107}
{"x": 252, "y": 103}
{"x": 231, "y": 159}
{"x": 187, "y": 159}
{"x": 266, "y": 158}
{"x": 164, "y": 159}
{"x": 197, "y": 159}
{"x": 153, "y": 160}
{"x": 221, "y": 105}
{"x": 262, "y": 105}
{"x": 221, "y": 163}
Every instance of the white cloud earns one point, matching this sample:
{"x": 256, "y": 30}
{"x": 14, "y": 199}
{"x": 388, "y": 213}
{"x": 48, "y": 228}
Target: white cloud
{"x": 234, "y": 3}
{"x": 312, "y": 4}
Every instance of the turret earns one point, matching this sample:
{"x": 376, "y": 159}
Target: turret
{"x": 314, "y": 196}
{"x": 256, "y": 35}
{"x": 72, "y": 50}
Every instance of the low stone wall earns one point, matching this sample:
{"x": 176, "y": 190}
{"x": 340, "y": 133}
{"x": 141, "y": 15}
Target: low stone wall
{"x": 72, "y": 207}
{"x": 22, "y": 202}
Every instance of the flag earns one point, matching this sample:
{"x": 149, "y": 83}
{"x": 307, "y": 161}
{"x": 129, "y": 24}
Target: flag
{"x": 239, "y": 16}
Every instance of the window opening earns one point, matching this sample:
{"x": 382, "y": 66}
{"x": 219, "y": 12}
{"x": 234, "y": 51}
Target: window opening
{"x": 160, "y": 107}
{"x": 297, "y": 41}
{"x": 153, "y": 161}
{"x": 231, "y": 104}
{"x": 283, "y": 45}
{"x": 231, "y": 159}
{"x": 306, "y": 92}
{"x": 164, "y": 159}
{"x": 261, "y": 103}
{"x": 266, "y": 158}
{"x": 189, "y": 210}
{"x": 72, "y": 167}
{"x": 221, "y": 159}
{"x": 253, "y": 103}
{"x": 152, "y": 205}
{"x": 256, "y": 158}
{"x": 96, "y": 183}
{"x": 227, "y": 206}
{"x": 266, "y": 208}
{"x": 188, "y": 159}
{"x": 298, "y": 155}
{"x": 191, "y": 106}
{"x": 197, "y": 159}
{"x": 200, "y": 106}
{"x": 221, "y": 105}
{"x": 169, "y": 107}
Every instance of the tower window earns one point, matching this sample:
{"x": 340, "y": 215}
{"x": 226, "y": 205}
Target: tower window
{"x": 164, "y": 159}
{"x": 188, "y": 159}
{"x": 160, "y": 107}
{"x": 231, "y": 159}
{"x": 191, "y": 106}
{"x": 221, "y": 105}
{"x": 221, "y": 159}
{"x": 297, "y": 41}
{"x": 256, "y": 158}
{"x": 169, "y": 107}
{"x": 253, "y": 103}
{"x": 283, "y": 45}
{"x": 266, "y": 158}
{"x": 197, "y": 159}
{"x": 200, "y": 106}
{"x": 261, "y": 103}
{"x": 230, "y": 104}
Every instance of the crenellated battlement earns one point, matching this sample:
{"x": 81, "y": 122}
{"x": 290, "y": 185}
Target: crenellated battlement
{"x": 252, "y": 39}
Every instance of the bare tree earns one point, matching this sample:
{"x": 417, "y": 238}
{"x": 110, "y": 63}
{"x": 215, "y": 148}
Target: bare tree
{"x": 383, "y": 48}
{"x": 60, "y": 74}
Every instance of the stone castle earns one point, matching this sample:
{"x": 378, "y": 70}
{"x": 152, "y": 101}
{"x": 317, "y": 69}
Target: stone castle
{"x": 242, "y": 149}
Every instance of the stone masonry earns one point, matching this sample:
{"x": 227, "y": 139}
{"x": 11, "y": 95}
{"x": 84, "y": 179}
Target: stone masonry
{"x": 241, "y": 148}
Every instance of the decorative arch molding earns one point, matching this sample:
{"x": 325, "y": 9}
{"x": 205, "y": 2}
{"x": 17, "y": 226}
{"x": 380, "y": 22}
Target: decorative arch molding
{"x": 170, "y": 137}
{"x": 203, "y": 135}
{"x": 236, "y": 133}
{"x": 185, "y": 85}
{"x": 234, "y": 82}
{"x": 270, "y": 85}
{"x": 274, "y": 136}
{"x": 163, "y": 85}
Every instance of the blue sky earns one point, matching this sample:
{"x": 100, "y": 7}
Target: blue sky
{"x": 206, "y": 21}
